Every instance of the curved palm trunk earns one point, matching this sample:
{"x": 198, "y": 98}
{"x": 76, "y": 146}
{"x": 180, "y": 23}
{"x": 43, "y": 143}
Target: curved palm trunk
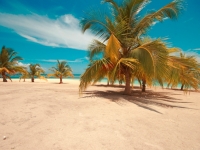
{"x": 182, "y": 87}
{"x": 32, "y": 79}
{"x": 143, "y": 85}
{"x": 128, "y": 81}
{"x": 4, "y": 76}
{"x": 61, "y": 79}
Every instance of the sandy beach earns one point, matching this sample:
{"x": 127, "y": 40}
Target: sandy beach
{"x": 51, "y": 116}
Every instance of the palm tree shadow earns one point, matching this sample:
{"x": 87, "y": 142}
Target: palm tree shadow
{"x": 59, "y": 83}
{"x": 141, "y": 99}
{"x": 186, "y": 91}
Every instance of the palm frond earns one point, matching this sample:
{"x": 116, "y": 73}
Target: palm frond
{"x": 184, "y": 70}
{"x": 171, "y": 11}
{"x": 112, "y": 49}
{"x": 42, "y": 78}
{"x": 96, "y": 71}
{"x": 113, "y": 3}
{"x": 128, "y": 63}
{"x": 4, "y": 69}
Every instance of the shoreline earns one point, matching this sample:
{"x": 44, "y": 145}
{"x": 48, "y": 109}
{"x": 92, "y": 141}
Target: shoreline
{"x": 77, "y": 81}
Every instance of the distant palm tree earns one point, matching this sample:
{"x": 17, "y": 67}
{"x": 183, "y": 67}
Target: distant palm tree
{"x": 34, "y": 71}
{"x": 24, "y": 75}
{"x": 126, "y": 51}
{"x": 61, "y": 70}
{"x": 8, "y": 63}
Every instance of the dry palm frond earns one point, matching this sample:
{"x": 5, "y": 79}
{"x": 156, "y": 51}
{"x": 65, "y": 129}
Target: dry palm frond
{"x": 96, "y": 71}
{"x": 112, "y": 49}
{"x": 4, "y": 69}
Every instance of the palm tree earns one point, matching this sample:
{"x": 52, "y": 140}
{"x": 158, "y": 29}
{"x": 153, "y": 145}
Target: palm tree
{"x": 187, "y": 74}
{"x": 126, "y": 51}
{"x": 24, "y": 75}
{"x": 34, "y": 71}
{"x": 8, "y": 63}
{"x": 61, "y": 70}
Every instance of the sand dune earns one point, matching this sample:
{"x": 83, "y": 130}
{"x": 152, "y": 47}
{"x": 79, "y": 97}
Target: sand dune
{"x": 51, "y": 116}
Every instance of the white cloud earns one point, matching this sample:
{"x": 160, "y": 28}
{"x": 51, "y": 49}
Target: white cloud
{"x": 197, "y": 56}
{"x": 188, "y": 20}
{"x": 61, "y": 32}
{"x": 43, "y": 42}
{"x": 197, "y": 49}
{"x": 69, "y": 61}
{"x": 22, "y": 64}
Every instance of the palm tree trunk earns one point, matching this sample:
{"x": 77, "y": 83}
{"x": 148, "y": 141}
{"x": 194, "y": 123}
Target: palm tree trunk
{"x": 128, "y": 81}
{"x": 143, "y": 85}
{"x": 108, "y": 79}
{"x": 32, "y": 79}
{"x": 4, "y": 76}
{"x": 108, "y": 82}
{"x": 182, "y": 87}
{"x": 61, "y": 79}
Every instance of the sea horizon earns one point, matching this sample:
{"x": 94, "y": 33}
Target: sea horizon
{"x": 104, "y": 80}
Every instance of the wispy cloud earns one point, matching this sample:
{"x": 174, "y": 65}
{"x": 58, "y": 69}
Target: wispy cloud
{"x": 197, "y": 49}
{"x": 188, "y": 20}
{"x": 61, "y": 32}
{"x": 79, "y": 60}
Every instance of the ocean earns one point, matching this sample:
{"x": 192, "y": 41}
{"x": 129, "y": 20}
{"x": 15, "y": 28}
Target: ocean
{"x": 77, "y": 77}
{"x": 17, "y": 76}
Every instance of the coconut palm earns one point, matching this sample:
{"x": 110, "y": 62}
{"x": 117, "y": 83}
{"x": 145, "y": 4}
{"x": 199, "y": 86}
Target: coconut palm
{"x": 9, "y": 63}
{"x": 61, "y": 70}
{"x": 24, "y": 75}
{"x": 126, "y": 51}
{"x": 35, "y": 70}
{"x": 186, "y": 72}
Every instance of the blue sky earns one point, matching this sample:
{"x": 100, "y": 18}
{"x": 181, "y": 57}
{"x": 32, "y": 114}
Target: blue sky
{"x": 42, "y": 31}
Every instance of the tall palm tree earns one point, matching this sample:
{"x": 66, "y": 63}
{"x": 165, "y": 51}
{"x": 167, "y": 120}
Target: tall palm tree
{"x": 126, "y": 52}
{"x": 61, "y": 70}
{"x": 9, "y": 63}
{"x": 34, "y": 71}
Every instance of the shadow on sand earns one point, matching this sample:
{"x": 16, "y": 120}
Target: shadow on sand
{"x": 141, "y": 99}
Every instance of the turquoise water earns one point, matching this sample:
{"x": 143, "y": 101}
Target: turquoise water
{"x": 17, "y": 76}
{"x": 77, "y": 77}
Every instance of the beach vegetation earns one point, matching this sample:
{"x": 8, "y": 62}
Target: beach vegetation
{"x": 61, "y": 70}
{"x": 9, "y": 63}
{"x": 35, "y": 71}
{"x": 127, "y": 51}
{"x": 184, "y": 70}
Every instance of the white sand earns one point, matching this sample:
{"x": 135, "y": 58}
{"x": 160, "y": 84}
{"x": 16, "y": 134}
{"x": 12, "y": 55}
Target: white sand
{"x": 50, "y": 116}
